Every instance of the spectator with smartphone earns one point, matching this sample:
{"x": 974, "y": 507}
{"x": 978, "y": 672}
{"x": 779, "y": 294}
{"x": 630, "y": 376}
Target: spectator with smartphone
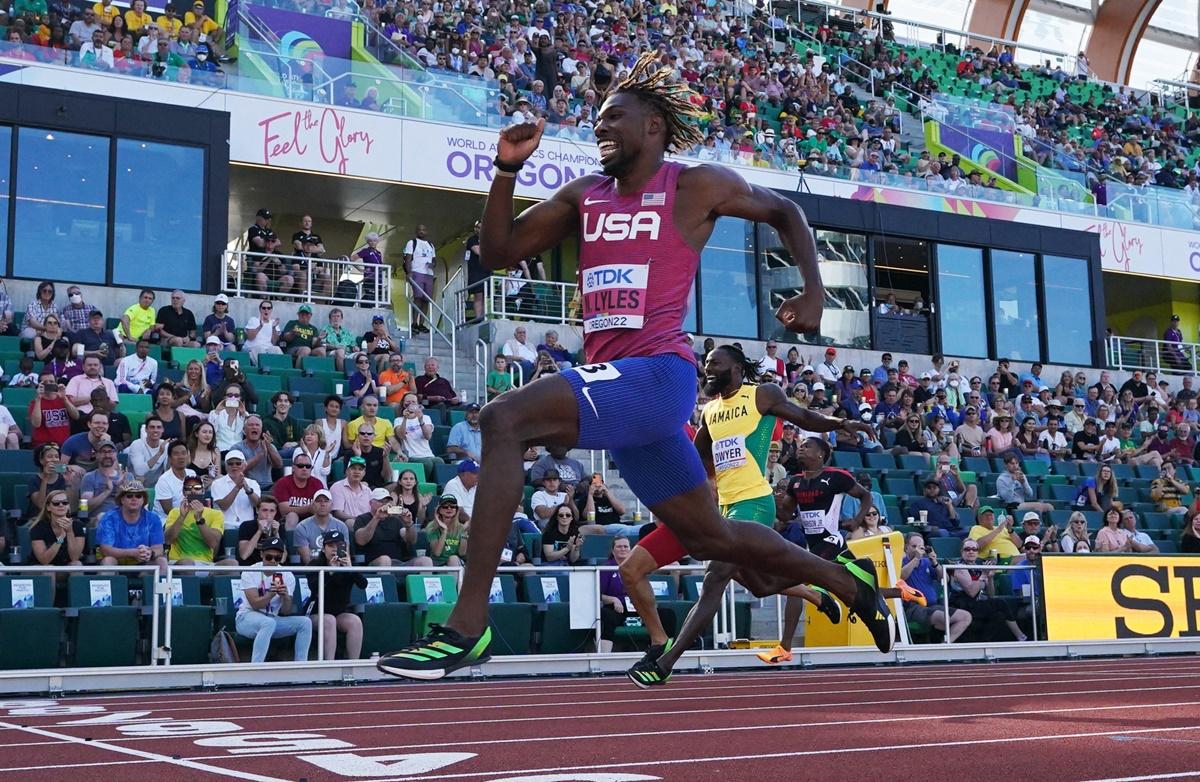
{"x": 253, "y": 532}
{"x": 55, "y": 537}
{"x": 388, "y": 534}
{"x": 267, "y": 611}
{"x": 309, "y": 533}
{"x": 413, "y": 432}
{"x": 337, "y": 616}
{"x": 193, "y": 529}
{"x": 51, "y": 475}
{"x": 950, "y": 481}
{"x": 236, "y": 494}
{"x": 602, "y": 511}
{"x": 921, "y": 570}
{"x": 50, "y": 413}
{"x": 130, "y": 534}
{"x": 1015, "y": 490}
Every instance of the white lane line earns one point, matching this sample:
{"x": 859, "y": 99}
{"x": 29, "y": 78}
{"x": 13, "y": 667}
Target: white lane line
{"x": 147, "y": 757}
{"x": 683, "y": 732}
{"x": 740, "y": 693}
{"x": 797, "y": 754}
{"x": 1175, "y": 775}
{"x": 532, "y": 688}
{"x": 507, "y": 720}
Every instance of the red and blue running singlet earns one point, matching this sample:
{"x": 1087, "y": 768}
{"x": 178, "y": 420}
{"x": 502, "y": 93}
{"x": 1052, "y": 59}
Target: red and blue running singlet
{"x": 635, "y": 270}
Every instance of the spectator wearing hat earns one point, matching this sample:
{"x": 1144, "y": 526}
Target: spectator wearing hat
{"x": 1085, "y": 445}
{"x": 262, "y": 332}
{"x": 213, "y": 364}
{"x": 130, "y": 534}
{"x": 552, "y": 494}
{"x": 1031, "y": 524}
{"x": 387, "y": 535}
{"x": 301, "y": 337}
{"x": 266, "y": 611}
{"x": 828, "y": 369}
{"x": 295, "y": 491}
{"x": 176, "y": 324}
{"x": 236, "y": 495}
{"x": 309, "y": 532}
{"x": 447, "y": 533}
{"x": 995, "y": 538}
{"x": 351, "y": 496}
{"x": 939, "y": 511}
{"x": 99, "y": 487}
{"x": 219, "y": 325}
{"x": 462, "y": 486}
{"x": 138, "y": 373}
{"x": 379, "y": 343}
{"x": 192, "y": 530}
{"x": 379, "y": 468}
{"x": 98, "y": 341}
{"x": 337, "y": 615}
{"x": 433, "y": 389}
{"x": 465, "y": 440}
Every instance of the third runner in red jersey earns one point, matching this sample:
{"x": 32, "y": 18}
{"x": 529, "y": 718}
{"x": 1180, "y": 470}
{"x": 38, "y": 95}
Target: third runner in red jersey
{"x": 642, "y": 224}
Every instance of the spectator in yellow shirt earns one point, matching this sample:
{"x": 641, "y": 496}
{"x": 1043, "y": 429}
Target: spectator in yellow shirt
{"x": 995, "y": 540}
{"x": 138, "y": 320}
{"x": 170, "y": 22}
{"x": 203, "y": 24}
{"x": 136, "y": 18}
{"x": 105, "y": 12}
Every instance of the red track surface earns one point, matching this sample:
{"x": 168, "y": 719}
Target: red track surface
{"x": 1135, "y": 719}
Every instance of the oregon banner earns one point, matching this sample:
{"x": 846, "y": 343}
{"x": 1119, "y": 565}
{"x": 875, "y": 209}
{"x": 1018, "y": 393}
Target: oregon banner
{"x": 1094, "y": 597}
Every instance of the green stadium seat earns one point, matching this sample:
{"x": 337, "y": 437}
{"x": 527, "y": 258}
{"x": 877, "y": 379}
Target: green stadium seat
{"x": 595, "y": 549}
{"x": 102, "y": 634}
{"x": 848, "y": 460}
{"x": 272, "y": 362}
{"x": 556, "y": 635}
{"x": 323, "y": 364}
{"x": 880, "y": 461}
{"x": 30, "y": 635}
{"x": 191, "y": 623}
{"x": 512, "y": 627}
{"x": 135, "y": 403}
{"x": 180, "y": 357}
{"x": 387, "y": 627}
{"x": 946, "y": 548}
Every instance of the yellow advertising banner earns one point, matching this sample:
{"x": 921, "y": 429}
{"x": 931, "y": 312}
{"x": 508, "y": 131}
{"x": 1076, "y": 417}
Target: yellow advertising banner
{"x": 885, "y": 551}
{"x": 1100, "y": 597}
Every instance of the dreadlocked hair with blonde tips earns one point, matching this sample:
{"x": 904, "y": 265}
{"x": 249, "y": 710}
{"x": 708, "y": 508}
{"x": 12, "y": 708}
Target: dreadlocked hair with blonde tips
{"x": 650, "y": 81}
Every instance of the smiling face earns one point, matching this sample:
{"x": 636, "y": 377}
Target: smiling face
{"x": 626, "y": 126}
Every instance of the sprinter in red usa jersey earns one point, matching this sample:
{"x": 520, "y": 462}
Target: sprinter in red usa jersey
{"x": 642, "y": 223}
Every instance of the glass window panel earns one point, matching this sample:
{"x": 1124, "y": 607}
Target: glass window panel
{"x": 1068, "y": 293}
{"x": 842, "y": 259}
{"x": 62, "y": 206}
{"x": 1155, "y": 60}
{"x": 961, "y": 301}
{"x": 158, "y": 234}
{"x": 1049, "y": 32}
{"x": 728, "y": 304}
{"x": 689, "y": 317}
{"x": 1014, "y": 306}
{"x": 5, "y": 185}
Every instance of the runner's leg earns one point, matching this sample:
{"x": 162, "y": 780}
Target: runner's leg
{"x": 716, "y": 578}
{"x": 634, "y": 572}
{"x": 792, "y": 609}
{"x": 544, "y": 412}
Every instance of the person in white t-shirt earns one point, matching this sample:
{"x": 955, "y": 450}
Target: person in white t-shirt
{"x": 518, "y": 351}
{"x": 168, "y": 489}
{"x": 549, "y": 497}
{"x": 235, "y": 494}
{"x": 266, "y": 610}
{"x": 462, "y": 487}
{"x": 262, "y": 332}
{"x": 10, "y": 433}
{"x": 419, "y": 257}
{"x": 413, "y": 430}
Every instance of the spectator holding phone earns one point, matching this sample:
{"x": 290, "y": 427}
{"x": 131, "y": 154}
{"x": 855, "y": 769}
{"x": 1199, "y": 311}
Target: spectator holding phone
{"x": 310, "y": 533}
{"x": 253, "y": 532}
{"x": 937, "y": 510}
{"x": 267, "y": 611}
{"x": 337, "y": 617}
{"x": 52, "y": 475}
{"x": 50, "y": 413}
{"x": 388, "y": 534}
{"x": 193, "y": 528}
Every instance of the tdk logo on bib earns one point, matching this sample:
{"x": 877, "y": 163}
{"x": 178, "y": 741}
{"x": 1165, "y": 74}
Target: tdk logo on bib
{"x": 619, "y": 227}
{"x": 614, "y": 296}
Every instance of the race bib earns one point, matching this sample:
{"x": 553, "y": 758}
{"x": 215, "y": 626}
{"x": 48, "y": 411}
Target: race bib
{"x": 729, "y": 453}
{"x": 614, "y": 297}
{"x": 813, "y": 521}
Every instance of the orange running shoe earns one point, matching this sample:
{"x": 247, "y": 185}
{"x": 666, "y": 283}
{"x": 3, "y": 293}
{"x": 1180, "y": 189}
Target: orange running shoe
{"x": 775, "y": 656}
{"x": 909, "y": 594}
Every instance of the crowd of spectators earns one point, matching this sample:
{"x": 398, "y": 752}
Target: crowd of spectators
{"x": 184, "y": 48}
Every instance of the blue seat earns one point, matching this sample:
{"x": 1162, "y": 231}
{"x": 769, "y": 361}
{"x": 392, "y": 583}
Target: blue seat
{"x": 880, "y": 461}
{"x": 848, "y": 460}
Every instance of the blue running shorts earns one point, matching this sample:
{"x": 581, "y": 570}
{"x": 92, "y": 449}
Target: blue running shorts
{"x": 636, "y": 409}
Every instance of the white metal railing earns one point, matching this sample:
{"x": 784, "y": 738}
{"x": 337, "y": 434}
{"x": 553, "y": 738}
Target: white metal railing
{"x": 946, "y": 568}
{"x": 520, "y": 297}
{"x": 1152, "y": 355}
{"x": 371, "y": 283}
{"x": 443, "y": 327}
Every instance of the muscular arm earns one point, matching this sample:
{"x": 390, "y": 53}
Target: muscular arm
{"x": 703, "y": 443}
{"x": 770, "y": 400}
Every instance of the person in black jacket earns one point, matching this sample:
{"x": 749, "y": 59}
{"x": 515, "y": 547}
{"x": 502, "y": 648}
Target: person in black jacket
{"x": 337, "y": 616}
